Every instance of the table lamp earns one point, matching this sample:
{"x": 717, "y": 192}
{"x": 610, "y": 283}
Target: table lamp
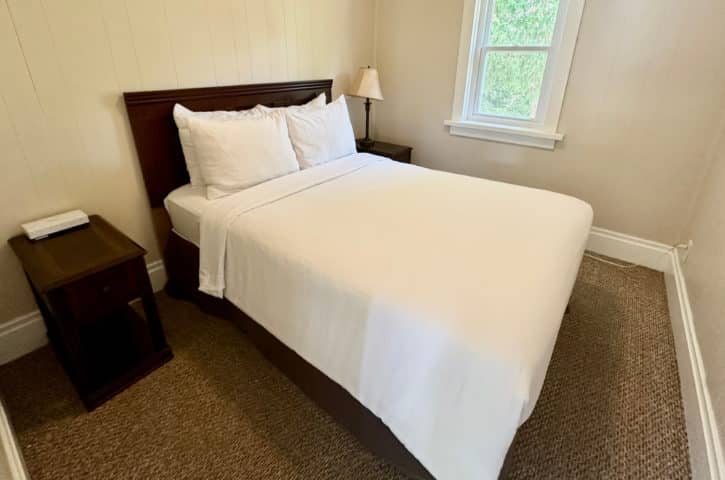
{"x": 367, "y": 86}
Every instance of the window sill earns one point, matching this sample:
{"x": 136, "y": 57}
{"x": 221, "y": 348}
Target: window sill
{"x": 528, "y": 137}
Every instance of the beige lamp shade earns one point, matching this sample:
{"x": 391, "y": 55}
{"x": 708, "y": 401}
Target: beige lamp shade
{"x": 367, "y": 84}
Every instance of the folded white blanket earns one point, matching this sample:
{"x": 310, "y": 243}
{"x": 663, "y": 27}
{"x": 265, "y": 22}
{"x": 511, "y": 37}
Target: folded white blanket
{"x": 435, "y": 299}
{"x": 215, "y": 221}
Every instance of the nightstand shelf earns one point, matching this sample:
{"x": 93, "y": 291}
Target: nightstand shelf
{"x": 116, "y": 344}
{"x": 92, "y": 287}
{"x": 399, "y": 153}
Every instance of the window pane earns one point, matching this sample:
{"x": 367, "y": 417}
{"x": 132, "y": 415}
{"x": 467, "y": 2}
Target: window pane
{"x": 523, "y": 23}
{"x": 512, "y": 83}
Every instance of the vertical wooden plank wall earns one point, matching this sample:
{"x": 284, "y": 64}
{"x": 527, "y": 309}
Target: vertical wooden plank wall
{"x": 64, "y": 137}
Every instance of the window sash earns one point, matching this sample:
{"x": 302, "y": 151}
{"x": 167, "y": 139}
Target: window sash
{"x": 517, "y": 49}
{"x": 477, "y": 81}
{"x": 480, "y": 81}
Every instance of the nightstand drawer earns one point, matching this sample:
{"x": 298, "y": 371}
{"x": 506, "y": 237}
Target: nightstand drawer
{"x": 100, "y": 294}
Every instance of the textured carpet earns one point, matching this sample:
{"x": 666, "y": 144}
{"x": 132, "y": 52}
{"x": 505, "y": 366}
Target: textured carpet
{"x": 610, "y": 406}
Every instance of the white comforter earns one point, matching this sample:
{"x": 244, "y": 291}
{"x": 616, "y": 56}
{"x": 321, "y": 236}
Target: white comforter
{"x": 435, "y": 299}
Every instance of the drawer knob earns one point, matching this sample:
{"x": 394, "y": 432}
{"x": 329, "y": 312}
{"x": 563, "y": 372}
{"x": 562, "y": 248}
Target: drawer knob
{"x": 106, "y": 289}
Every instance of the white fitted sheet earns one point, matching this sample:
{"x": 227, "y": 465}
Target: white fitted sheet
{"x": 434, "y": 299}
{"x": 185, "y": 206}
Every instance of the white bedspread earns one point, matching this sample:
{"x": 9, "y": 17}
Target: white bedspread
{"x": 435, "y": 299}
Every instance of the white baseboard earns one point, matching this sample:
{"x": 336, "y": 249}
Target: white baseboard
{"x": 706, "y": 453}
{"x": 21, "y": 335}
{"x": 26, "y": 333}
{"x": 631, "y": 249}
{"x": 11, "y": 460}
{"x": 157, "y": 275}
{"x": 706, "y": 450}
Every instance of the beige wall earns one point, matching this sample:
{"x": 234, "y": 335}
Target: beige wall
{"x": 64, "y": 138}
{"x": 645, "y": 87}
{"x": 705, "y": 273}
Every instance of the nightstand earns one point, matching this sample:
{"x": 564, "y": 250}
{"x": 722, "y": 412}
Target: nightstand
{"x": 94, "y": 293}
{"x": 398, "y": 153}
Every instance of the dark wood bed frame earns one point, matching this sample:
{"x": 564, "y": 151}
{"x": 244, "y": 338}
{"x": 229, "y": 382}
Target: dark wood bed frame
{"x": 162, "y": 163}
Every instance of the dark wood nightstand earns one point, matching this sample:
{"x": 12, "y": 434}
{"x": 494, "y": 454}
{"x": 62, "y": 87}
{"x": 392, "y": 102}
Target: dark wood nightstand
{"x": 92, "y": 287}
{"x": 398, "y": 153}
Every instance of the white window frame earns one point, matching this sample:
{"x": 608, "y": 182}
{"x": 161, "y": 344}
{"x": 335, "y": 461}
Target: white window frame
{"x": 540, "y": 131}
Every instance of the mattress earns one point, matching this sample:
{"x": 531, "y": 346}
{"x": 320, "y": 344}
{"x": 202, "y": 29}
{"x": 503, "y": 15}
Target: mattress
{"x": 435, "y": 299}
{"x": 185, "y": 206}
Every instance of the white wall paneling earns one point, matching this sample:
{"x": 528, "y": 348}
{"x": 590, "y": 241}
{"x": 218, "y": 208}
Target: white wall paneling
{"x": 64, "y": 135}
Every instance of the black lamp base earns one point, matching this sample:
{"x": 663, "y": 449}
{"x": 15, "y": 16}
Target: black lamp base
{"x": 367, "y": 142}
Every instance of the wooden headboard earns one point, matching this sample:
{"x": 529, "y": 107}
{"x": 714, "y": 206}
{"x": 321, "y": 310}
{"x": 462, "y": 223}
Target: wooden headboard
{"x": 156, "y": 136}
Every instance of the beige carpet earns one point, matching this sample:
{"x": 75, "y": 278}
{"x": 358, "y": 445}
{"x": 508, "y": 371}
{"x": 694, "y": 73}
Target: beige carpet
{"x": 610, "y": 407}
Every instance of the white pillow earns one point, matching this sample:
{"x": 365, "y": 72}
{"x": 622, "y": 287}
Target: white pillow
{"x": 238, "y": 153}
{"x": 181, "y": 117}
{"x": 317, "y": 102}
{"x": 322, "y": 134}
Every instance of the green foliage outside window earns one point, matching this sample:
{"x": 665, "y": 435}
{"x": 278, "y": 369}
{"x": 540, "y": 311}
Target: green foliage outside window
{"x": 523, "y": 23}
{"x": 512, "y": 79}
{"x": 512, "y": 83}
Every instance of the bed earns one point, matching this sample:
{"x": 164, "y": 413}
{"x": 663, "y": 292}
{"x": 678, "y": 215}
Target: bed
{"x": 390, "y": 293}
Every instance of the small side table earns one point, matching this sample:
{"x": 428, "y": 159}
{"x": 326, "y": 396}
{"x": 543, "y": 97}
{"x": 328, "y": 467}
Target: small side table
{"x": 93, "y": 289}
{"x": 399, "y": 153}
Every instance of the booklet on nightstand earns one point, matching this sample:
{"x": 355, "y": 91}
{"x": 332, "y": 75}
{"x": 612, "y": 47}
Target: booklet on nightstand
{"x": 57, "y": 223}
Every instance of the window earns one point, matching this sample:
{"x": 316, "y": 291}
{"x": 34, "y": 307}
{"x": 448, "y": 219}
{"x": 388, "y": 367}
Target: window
{"x": 513, "y": 67}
